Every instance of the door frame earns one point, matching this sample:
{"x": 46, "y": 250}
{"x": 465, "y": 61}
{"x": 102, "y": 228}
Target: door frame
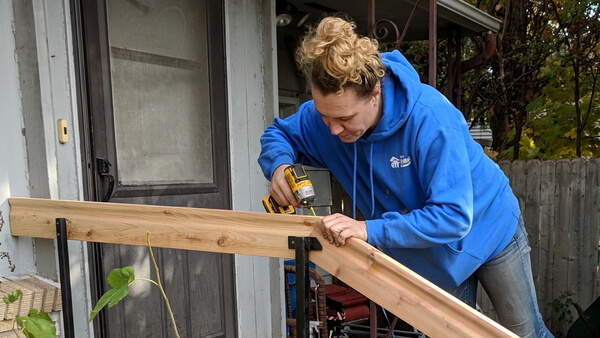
{"x": 94, "y": 94}
{"x": 96, "y": 77}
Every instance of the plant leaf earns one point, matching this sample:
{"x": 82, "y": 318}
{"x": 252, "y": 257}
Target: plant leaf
{"x": 119, "y": 279}
{"x": 12, "y": 297}
{"x": 118, "y": 295}
{"x": 38, "y": 325}
{"x": 106, "y": 298}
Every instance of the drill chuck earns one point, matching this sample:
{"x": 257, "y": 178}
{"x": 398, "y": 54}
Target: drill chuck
{"x": 305, "y": 195}
{"x": 301, "y": 186}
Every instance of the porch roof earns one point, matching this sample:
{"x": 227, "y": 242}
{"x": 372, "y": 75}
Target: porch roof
{"x": 456, "y": 13}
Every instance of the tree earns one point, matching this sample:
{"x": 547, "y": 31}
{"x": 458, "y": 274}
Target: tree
{"x": 501, "y": 95}
{"x": 540, "y": 96}
{"x": 575, "y": 83}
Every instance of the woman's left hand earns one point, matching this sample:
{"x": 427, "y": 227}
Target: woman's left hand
{"x": 337, "y": 228}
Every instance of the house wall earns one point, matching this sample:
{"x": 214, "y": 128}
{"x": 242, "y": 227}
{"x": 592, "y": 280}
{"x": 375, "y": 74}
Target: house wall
{"x": 13, "y": 165}
{"x": 37, "y": 71}
{"x": 37, "y": 68}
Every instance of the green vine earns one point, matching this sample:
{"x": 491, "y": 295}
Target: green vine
{"x": 562, "y": 307}
{"x": 120, "y": 279}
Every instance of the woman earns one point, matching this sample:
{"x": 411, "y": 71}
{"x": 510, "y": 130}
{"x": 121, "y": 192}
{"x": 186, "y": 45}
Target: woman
{"x": 432, "y": 199}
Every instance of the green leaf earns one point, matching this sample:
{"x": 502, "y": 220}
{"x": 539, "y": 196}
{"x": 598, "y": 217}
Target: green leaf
{"x": 119, "y": 279}
{"x": 118, "y": 295}
{"x": 38, "y": 325}
{"x": 12, "y": 297}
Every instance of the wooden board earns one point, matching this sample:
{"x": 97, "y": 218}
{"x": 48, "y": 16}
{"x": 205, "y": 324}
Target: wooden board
{"x": 403, "y": 292}
{"x": 223, "y": 231}
{"x": 562, "y": 242}
{"x": 547, "y": 226}
{"x": 366, "y": 269}
{"x": 589, "y": 256}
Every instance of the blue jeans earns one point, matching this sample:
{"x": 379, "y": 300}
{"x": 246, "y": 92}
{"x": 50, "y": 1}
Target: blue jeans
{"x": 508, "y": 281}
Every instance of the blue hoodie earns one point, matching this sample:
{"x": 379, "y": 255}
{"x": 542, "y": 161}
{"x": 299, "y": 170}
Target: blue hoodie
{"x": 432, "y": 199}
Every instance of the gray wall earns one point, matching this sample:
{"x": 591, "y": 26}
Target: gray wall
{"x": 37, "y": 71}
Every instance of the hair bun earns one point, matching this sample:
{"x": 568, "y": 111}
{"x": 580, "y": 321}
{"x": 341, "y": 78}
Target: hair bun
{"x": 333, "y": 55}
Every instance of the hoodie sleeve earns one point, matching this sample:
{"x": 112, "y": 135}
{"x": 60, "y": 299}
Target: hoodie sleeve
{"x": 445, "y": 213}
{"x": 287, "y": 141}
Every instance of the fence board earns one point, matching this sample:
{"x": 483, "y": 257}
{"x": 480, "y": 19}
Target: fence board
{"x": 589, "y": 255}
{"x": 532, "y": 214}
{"x": 574, "y": 277}
{"x": 561, "y": 244}
{"x": 546, "y": 249}
{"x": 518, "y": 176}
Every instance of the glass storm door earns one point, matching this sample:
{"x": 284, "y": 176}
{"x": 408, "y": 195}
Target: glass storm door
{"x": 154, "y": 121}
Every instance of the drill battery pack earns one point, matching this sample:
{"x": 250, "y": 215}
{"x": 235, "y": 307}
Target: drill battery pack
{"x": 271, "y": 206}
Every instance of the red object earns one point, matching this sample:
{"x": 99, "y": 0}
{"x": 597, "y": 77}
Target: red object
{"x": 345, "y": 296}
{"x": 344, "y": 302}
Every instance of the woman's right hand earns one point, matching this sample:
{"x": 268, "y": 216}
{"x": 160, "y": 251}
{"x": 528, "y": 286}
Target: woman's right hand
{"x": 280, "y": 188}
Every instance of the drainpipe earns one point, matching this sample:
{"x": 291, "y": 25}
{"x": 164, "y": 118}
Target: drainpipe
{"x": 488, "y": 52}
{"x": 433, "y": 43}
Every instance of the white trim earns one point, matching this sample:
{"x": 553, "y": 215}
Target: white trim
{"x": 469, "y": 15}
{"x": 252, "y": 96}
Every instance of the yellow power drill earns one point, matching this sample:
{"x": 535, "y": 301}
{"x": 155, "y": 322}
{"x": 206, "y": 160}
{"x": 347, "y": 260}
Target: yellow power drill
{"x": 302, "y": 188}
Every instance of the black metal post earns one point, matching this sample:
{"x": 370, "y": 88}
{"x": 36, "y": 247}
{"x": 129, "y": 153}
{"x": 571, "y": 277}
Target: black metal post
{"x": 302, "y": 245}
{"x": 65, "y": 277}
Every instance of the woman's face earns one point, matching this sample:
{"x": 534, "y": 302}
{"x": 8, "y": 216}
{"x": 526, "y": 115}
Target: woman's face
{"x": 348, "y": 116}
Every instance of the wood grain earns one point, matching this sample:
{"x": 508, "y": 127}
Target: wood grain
{"x": 366, "y": 269}
{"x": 223, "y": 231}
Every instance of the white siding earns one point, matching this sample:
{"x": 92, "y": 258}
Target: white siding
{"x": 252, "y": 87}
{"x": 37, "y": 71}
{"x": 13, "y": 158}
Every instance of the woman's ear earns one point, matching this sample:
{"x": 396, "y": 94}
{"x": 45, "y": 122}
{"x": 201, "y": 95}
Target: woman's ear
{"x": 377, "y": 91}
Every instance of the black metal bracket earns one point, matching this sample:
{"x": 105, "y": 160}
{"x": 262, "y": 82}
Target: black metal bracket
{"x": 302, "y": 245}
{"x": 65, "y": 277}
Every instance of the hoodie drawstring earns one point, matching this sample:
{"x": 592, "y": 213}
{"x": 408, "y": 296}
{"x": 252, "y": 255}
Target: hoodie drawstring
{"x": 354, "y": 186}
{"x": 371, "y": 181}
{"x": 372, "y": 186}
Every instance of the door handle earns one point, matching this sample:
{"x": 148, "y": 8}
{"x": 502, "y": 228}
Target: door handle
{"x": 103, "y": 169}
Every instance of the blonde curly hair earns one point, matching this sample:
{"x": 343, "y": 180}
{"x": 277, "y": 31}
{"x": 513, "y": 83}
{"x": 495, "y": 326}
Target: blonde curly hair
{"x": 332, "y": 56}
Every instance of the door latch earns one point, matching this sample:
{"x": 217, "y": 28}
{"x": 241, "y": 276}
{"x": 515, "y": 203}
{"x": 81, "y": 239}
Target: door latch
{"x": 103, "y": 169}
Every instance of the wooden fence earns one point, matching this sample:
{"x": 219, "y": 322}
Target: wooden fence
{"x": 560, "y": 203}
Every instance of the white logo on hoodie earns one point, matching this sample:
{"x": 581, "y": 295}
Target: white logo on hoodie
{"x": 401, "y": 162}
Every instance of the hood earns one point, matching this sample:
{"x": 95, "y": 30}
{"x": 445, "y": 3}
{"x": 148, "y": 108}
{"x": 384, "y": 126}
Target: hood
{"x": 401, "y": 88}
